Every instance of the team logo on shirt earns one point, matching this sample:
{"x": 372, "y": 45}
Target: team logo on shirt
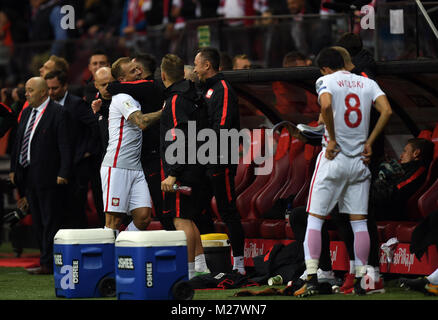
{"x": 209, "y": 93}
{"x": 115, "y": 202}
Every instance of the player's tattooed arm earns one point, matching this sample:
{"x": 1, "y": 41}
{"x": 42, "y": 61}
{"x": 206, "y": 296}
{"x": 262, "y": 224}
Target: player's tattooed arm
{"x": 144, "y": 120}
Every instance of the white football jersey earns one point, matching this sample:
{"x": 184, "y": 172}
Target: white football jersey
{"x": 125, "y": 138}
{"x": 352, "y": 99}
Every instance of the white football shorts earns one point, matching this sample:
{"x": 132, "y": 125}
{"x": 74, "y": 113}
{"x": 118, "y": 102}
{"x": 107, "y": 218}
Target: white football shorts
{"x": 343, "y": 180}
{"x": 124, "y": 190}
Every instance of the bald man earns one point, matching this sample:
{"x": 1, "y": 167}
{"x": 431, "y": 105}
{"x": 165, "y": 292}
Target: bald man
{"x": 40, "y": 166}
{"x": 100, "y": 105}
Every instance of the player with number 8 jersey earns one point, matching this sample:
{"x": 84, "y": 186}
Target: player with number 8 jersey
{"x": 341, "y": 173}
{"x": 352, "y": 100}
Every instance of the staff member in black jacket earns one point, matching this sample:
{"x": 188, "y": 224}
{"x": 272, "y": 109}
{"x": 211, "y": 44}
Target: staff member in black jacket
{"x": 223, "y": 113}
{"x": 180, "y": 107}
{"x": 40, "y": 164}
{"x": 85, "y": 143}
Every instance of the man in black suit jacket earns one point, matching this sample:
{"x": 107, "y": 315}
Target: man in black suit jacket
{"x": 40, "y": 166}
{"x": 85, "y": 142}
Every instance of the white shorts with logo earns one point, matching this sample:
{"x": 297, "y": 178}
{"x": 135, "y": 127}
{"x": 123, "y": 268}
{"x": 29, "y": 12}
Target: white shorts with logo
{"x": 343, "y": 180}
{"x": 124, "y": 190}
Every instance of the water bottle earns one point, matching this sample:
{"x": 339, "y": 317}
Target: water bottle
{"x": 288, "y": 212}
{"x": 186, "y": 190}
{"x": 275, "y": 281}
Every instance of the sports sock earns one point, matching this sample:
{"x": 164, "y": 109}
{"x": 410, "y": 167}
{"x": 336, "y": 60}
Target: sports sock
{"x": 361, "y": 245}
{"x": 200, "y": 263}
{"x": 191, "y": 270}
{"x": 312, "y": 244}
{"x": 352, "y": 267}
{"x": 433, "y": 278}
{"x": 132, "y": 227}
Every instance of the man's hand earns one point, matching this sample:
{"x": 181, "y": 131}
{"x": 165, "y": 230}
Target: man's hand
{"x": 367, "y": 153}
{"x": 22, "y": 204}
{"x": 332, "y": 150}
{"x": 167, "y": 184}
{"x": 96, "y": 105}
{"x": 61, "y": 180}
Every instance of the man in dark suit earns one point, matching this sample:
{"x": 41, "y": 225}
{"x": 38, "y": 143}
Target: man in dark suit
{"x": 85, "y": 143}
{"x": 40, "y": 166}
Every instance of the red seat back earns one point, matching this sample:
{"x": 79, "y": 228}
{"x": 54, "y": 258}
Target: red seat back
{"x": 434, "y": 139}
{"x": 310, "y": 153}
{"x": 412, "y": 204}
{"x": 428, "y": 202}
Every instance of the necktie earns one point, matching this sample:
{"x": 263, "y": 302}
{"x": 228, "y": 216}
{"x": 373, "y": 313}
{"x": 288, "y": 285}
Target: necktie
{"x": 26, "y": 138}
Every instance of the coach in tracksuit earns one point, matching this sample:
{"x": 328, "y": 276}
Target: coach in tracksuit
{"x": 223, "y": 113}
{"x": 181, "y": 110}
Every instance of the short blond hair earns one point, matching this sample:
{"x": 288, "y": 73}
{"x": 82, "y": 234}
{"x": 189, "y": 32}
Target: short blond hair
{"x": 116, "y": 67}
{"x": 240, "y": 56}
{"x": 173, "y": 67}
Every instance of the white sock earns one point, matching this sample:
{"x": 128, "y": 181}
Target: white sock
{"x": 132, "y": 227}
{"x": 200, "y": 263}
{"x": 361, "y": 245}
{"x": 191, "y": 270}
{"x": 433, "y": 278}
{"x": 376, "y": 274}
{"x": 312, "y": 244}
{"x": 352, "y": 267}
{"x": 116, "y": 231}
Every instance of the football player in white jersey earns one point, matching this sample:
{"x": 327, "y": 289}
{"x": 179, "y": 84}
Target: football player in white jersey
{"x": 125, "y": 190}
{"x": 341, "y": 173}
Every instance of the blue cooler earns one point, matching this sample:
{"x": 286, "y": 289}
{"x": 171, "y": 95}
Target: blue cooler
{"x": 149, "y": 264}
{"x": 84, "y": 263}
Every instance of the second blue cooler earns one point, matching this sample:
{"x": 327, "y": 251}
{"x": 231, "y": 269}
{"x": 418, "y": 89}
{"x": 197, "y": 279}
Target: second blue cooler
{"x": 149, "y": 264}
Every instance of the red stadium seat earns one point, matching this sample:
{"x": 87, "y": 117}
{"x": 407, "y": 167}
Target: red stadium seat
{"x": 279, "y": 175}
{"x": 404, "y": 230}
{"x": 310, "y": 153}
{"x": 387, "y": 229}
{"x": 297, "y": 172}
{"x": 273, "y": 229}
{"x": 244, "y": 176}
{"x": 428, "y": 202}
{"x": 412, "y": 204}
{"x": 435, "y": 141}
{"x": 425, "y": 134}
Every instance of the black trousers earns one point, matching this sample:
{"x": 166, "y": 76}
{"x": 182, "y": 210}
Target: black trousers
{"x": 153, "y": 173}
{"x": 77, "y": 196}
{"x": 46, "y": 207}
{"x": 96, "y": 188}
{"x": 222, "y": 187}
